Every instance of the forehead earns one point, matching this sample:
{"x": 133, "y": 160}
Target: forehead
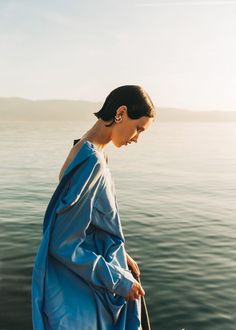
{"x": 145, "y": 122}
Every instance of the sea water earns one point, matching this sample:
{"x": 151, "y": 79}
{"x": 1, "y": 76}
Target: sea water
{"x": 176, "y": 191}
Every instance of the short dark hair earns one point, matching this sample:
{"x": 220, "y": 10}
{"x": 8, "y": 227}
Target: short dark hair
{"x": 134, "y": 97}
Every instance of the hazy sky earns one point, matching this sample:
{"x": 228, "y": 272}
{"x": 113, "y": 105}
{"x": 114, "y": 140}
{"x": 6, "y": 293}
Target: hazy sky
{"x": 182, "y": 52}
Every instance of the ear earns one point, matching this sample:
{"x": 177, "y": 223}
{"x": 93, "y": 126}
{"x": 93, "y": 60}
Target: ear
{"x": 121, "y": 110}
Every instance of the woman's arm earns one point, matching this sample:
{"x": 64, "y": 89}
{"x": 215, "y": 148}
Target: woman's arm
{"x": 93, "y": 268}
{"x": 74, "y": 215}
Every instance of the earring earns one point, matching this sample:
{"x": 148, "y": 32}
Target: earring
{"x": 118, "y": 119}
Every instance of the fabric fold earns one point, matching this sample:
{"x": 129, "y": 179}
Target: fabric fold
{"x": 80, "y": 275}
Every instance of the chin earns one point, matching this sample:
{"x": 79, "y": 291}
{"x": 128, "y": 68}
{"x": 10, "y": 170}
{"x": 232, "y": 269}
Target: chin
{"x": 118, "y": 144}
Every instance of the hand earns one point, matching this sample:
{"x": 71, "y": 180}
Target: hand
{"x": 132, "y": 264}
{"x": 135, "y": 291}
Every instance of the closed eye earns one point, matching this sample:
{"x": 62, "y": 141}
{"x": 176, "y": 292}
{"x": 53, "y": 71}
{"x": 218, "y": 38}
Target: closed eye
{"x": 140, "y": 129}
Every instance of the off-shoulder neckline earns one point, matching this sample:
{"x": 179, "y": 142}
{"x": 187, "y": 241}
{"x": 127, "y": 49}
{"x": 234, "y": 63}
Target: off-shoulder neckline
{"x": 101, "y": 152}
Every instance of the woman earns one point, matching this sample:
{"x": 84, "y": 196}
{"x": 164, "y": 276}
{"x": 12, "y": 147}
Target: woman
{"x": 82, "y": 276}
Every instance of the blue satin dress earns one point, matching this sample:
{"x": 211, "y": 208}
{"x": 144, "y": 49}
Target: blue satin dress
{"x": 80, "y": 275}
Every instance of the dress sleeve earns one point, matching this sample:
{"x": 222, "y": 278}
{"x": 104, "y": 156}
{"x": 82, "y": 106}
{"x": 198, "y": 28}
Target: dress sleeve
{"x": 74, "y": 215}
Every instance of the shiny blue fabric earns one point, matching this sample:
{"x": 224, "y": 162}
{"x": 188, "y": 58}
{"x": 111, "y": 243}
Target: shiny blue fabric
{"x": 80, "y": 275}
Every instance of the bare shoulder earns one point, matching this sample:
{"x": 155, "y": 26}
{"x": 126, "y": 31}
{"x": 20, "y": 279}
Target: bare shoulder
{"x": 77, "y": 146}
{"x": 96, "y": 156}
{"x": 72, "y": 153}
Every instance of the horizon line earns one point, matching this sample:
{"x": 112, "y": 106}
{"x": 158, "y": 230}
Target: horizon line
{"x": 89, "y": 101}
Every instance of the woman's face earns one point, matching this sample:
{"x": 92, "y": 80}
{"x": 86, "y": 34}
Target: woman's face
{"x": 128, "y": 130}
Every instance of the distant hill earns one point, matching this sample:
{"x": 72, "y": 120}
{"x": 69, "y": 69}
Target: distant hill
{"x": 20, "y": 109}
{"x": 173, "y": 114}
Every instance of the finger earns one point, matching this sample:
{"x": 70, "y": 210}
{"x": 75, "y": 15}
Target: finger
{"x": 142, "y": 292}
{"x": 136, "y": 270}
{"x": 137, "y": 267}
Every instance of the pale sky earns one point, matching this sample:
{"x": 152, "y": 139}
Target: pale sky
{"x": 182, "y": 52}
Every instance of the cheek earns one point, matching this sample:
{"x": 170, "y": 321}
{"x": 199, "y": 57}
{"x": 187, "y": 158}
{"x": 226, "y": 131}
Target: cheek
{"x": 133, "y": 132}
{"x": 123, "y": 132}
{"x": 130, "y": 133}
{"x": 118, "y": 133}
{"x": 119, "y": 136}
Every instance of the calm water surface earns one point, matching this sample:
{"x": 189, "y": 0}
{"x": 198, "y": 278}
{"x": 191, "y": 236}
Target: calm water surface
{"x": 176, "y": 192}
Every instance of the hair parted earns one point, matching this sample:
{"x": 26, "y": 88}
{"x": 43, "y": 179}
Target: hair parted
{"x": 134, "y": 97}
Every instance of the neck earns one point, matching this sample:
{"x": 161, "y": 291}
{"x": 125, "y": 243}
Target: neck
{"x": 99, "y": 134}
